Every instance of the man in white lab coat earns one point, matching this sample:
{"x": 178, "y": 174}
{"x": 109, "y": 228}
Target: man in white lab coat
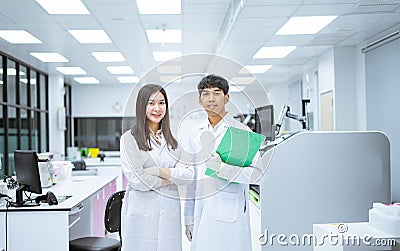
{"x": 217, "y": 213}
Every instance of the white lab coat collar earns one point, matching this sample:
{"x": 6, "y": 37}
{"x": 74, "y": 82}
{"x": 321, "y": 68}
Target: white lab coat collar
{"x": 225, "y": 122}
{"x": 154, "y": 143}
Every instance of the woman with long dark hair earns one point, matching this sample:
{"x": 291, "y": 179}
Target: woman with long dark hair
{"x": 154, "y": 167}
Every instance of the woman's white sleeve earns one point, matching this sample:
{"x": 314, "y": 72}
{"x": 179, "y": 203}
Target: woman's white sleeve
{"x": 132, "y": 166}
{"x": 183, "y": 173}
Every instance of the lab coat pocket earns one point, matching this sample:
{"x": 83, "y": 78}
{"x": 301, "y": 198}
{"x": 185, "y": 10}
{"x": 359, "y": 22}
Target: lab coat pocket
{"x": 226, "y": 207}
{"x": 141, "y": 204}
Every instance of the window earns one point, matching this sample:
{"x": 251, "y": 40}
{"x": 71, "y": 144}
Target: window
{"x": 23, "y": 110}
{"x": 103, "y": 133}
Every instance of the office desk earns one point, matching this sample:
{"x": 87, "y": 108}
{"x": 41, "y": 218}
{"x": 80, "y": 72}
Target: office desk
{"x": 49, "y": 228}
{"x": 110, "y": 166}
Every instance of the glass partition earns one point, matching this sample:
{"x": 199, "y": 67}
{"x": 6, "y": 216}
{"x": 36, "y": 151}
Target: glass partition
{"x": 23, "y": 110}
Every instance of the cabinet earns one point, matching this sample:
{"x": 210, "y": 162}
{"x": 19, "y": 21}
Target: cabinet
{"x": 47, "y": 227}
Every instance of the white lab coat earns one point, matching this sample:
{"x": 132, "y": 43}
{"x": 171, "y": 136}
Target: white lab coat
{"x": 151, "y": 214}
{"x": 220, "y": 212}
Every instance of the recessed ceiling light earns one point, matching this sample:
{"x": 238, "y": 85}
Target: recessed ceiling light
{"x": 120, "y": 69}
{"x": 50, "y": 57}
{"x": 128, "y": 80}
{"x": 305, "y": 25}
{"x": 164, "y": 36}
{"x": 87, "y": 80}
{"x": 91, "y": 36}
{"x": 167, "y": 79}
{"x": 159, "y": 6}
{"x": 19, "y": 37}
{"x": 274, "y": 52}
{"x": 25, "y": 80}
{"x": 235, "y": 89}
{"x": 12, "y": 72}
{"x": 169, "y": 69}
{"x": 69, "y": 70}
{"x": 108, "y": 56}
{"x": 160, "y": 56}
{"x": 254, "y": 69}
{"x": 243, "y": 80}
{"x": 63, "y": 6}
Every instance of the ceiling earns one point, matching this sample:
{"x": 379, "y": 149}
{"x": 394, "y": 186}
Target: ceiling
{"x": 207, "y": 27}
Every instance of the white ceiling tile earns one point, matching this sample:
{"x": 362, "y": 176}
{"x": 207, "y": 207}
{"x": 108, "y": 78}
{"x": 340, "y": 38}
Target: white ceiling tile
{"x": 322, "y": 9}
{"x": 331, "y": 1}
{"x": 205, "y": 8}
{"x": 307, "y": 52}
{"x": 154, "y": 21}
{"x": 201, "y": 23}
{"x": 274, "y": 2}
{"x": 288, "y": 40}
{"x": 267, "y": 11}
{"x": 259, "y": 22}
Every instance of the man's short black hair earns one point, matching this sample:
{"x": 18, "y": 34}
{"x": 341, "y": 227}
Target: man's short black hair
{"x": 211, "y": 81}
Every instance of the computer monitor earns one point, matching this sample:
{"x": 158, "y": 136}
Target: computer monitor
{"x": 264, "y": 123}
{"x": 28, "y": 176}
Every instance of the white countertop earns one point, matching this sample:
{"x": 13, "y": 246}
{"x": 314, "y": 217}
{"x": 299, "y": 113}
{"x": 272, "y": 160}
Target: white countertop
{"x": 78, "y": 187}
{"x": 107, "y": 162}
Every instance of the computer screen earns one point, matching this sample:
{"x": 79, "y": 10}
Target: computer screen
{"x": 28, "y": 176}
{"x": 264, "y": 123}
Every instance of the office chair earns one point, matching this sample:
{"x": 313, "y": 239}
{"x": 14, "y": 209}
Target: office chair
{"x": 112, "y": 222}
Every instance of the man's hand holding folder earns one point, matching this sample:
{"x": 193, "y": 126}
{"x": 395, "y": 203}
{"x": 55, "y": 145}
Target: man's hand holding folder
{"x": 237, "y": 149}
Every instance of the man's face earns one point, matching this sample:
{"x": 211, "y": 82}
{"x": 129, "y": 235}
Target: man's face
{"x": 213, "y": 101}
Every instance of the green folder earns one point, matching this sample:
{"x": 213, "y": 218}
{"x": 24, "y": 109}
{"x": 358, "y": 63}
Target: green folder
{"x": 238, "y": 148}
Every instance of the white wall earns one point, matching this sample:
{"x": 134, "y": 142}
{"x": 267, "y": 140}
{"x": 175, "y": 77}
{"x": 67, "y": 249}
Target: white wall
{"x": 326, "y": 71}
{"x": 279, "y": 94}
{"x": 56, "y": 101}
{"x": 361, "y": 109}
{"x": 345, "y": 88}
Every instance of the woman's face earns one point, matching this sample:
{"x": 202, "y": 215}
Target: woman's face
{"x": 156, "y": 108}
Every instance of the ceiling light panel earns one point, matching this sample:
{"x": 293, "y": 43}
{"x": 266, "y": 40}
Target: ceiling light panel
{"x": 91, "y": 36}
{"x": 164, "y": 36}
{"x": 50, "y": 57}
{"x": 71, "y": 70}
{"x": 108, "y": 56}
{"x": 159, "y": 6}
{"x": 305, "y": 25}
{"x": 63, "y": 6}
{"x": 120, "y": 69}
{"x": 168, "y": 79}
{"x": 12, "y": 72}
{"x": 161, "y": 56}
{"x": 235, "y": 89}
{"x": 274, "y": 52}
{"x": 19, "y": 37}
{"x": 169, "y": 69}
{"x": 25, "y": 81}
{"x": 87, "y": 80}
{"x": 243, "y": 80}
{"x": 255, "y": 69}
{"x": 128, "y": 80}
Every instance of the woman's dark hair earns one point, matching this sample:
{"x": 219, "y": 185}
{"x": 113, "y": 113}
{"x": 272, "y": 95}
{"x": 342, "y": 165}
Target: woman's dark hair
{"x": 211, "y": 81}
{"x": 141, "y": 130}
